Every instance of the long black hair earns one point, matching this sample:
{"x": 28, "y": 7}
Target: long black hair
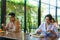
{"x": 50, "y": 16}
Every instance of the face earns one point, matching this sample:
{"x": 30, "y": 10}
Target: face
{"x": 47, "y": 20}
{"x": 11, "y": 18}
{"x": 52, "y": 21}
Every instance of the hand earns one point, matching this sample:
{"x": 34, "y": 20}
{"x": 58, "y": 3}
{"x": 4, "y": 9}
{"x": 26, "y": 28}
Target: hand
{"x": 39, "y": 30}
{"x": 49, "y": 30}
{"x": 3, "y": 25}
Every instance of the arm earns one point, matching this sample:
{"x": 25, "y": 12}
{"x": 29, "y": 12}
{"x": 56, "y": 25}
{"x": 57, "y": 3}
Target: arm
{"x": 55, "y": 31}
{"x": 5, "y": 26}
{"x": 17, "y": 25}
{"x": 39, "y": 29}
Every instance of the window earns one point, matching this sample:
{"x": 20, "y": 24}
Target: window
{"x": 58, "y": 15}
{"x": 16, "y": 6}
{"x": 47, "y": 7}
{"x": 58, "y": 11}
{"x": 52, "y": 11}
{"x": 0, "y": 12}
{"x": 44, "y": 11}
{"x": 31, "y": 15}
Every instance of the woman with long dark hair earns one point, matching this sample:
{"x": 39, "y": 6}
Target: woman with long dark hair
{"x": 47, "y": 28}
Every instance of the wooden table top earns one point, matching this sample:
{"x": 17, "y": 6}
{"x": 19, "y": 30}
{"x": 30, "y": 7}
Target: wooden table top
{"x": 11, "y": 35}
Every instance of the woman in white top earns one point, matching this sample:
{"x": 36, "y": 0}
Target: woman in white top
{"x": 55, "y": 23}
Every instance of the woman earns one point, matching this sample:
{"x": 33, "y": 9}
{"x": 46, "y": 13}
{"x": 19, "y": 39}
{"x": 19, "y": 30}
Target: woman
{"x": 13, "y": 25}
{"x": 47, "y": 28}
{"x": 54, "y": 23}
